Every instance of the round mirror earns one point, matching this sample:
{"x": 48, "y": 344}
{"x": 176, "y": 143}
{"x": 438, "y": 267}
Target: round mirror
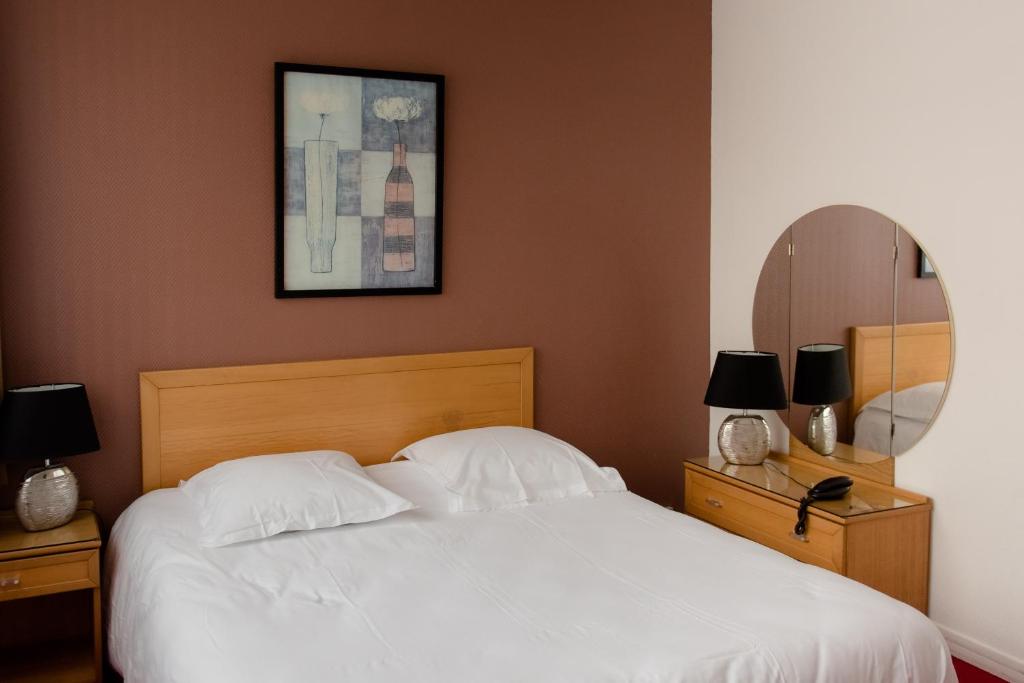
{"x": 854, "y": 308}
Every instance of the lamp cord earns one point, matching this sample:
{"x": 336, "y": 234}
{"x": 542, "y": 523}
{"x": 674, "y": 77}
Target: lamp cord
{"x": 797, "y": 481}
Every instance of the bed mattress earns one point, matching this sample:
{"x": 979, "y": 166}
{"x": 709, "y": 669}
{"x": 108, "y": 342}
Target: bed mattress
{"x": 610, "y": 588}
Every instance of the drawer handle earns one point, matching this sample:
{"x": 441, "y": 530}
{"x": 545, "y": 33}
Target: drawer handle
{"x": 713, "y": 503}
{"x": 799, "y": 537}
{"x": 10, "y": 581}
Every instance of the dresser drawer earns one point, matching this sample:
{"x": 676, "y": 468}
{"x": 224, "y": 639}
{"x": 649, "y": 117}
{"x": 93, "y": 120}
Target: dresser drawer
{"x": 764, "y": 520}
{"x": 49, "y": 574}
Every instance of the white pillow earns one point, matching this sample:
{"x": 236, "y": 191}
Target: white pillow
{"x": 500, "y": 467}
{"x": 918, "y": 402}
{"x": 263, "y": 495}
{"x": 411, "y": 482}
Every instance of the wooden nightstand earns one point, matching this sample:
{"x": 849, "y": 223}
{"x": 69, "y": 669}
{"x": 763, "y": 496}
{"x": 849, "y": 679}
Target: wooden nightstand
{"x": 877, "y": 534}
{"x": 34, "y": 565}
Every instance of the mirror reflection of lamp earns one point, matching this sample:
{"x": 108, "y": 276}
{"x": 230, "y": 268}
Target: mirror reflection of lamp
{"x": 746, "y": 380}
{"x": 821, "y": 378}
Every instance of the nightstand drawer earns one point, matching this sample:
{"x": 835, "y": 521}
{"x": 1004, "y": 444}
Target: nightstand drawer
{"x": 765, "y": 521}
{"x": 49, "y": 574}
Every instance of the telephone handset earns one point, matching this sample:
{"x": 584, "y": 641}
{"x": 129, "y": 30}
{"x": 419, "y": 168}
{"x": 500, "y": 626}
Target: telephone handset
{"x": 832, "y": 488}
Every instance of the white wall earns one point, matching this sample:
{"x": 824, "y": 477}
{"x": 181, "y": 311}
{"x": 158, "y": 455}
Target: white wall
{"x": 914, "y": 108}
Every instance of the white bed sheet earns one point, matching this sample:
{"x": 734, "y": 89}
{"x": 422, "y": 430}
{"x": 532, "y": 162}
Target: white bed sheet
{"x": 611, "y": 588}
{"x": 871, "y": 431}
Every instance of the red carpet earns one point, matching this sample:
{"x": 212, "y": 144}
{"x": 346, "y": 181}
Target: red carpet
{"x": 968, "y": 673}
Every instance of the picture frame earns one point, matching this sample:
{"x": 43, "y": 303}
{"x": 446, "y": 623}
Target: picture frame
{"x": 924, "y": 266}
{"x": 359, "y": 170}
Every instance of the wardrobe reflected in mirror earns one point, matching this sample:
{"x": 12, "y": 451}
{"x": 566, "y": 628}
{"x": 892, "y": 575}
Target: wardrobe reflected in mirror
{"x": 845, "y": 287}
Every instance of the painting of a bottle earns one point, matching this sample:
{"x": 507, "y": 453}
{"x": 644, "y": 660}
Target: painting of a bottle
{"x": 399, "y": 252}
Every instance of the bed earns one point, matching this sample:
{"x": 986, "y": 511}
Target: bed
{"x": 923, "y": 361}
{"x": 606, "y": 588}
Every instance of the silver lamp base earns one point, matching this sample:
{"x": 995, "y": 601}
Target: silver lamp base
{"x": 821, "y": 430}
{"x": 48, "y": 498}
{"x": 744, "y": 439}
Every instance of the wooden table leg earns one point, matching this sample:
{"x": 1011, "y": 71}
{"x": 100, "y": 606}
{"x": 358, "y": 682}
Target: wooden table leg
{"x": 97, "y": 634}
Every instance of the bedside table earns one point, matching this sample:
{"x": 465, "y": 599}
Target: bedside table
{"x": 47, "y": 563}
{"x": 877, "y": 535}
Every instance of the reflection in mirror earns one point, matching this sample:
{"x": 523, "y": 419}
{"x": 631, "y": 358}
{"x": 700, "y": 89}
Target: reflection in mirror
{"x": 821, "y": 379}
{"x": 923, "y": 346}
{"x": 842, "y": 277}
{"x": 835, "y": 290}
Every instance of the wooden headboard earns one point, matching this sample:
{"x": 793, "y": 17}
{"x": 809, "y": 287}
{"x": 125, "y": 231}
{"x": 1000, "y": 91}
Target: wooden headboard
{"x": 368, "y": 407}
{"x": 923, "y": 354}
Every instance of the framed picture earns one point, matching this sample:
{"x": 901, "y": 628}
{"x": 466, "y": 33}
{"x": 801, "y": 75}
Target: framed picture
{"x": 359, "y": 181}
{"x": 924, "y": 266}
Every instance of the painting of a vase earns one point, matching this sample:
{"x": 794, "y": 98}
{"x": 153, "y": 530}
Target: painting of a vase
{"x": 321, "y": 199}
{"x": 359, "y": 181}
{"x": 399, "y": 248}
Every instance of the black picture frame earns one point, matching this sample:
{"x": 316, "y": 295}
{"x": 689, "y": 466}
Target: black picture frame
{"x": 924, "y": 266}
{"x": 435, "y": 285}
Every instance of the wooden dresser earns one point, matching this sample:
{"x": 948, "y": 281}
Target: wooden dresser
{"x": 877, "y": 534}
{"x": 50, "y": 627}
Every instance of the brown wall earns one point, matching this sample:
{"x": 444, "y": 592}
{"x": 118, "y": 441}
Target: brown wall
{"x": 136, "y": 205}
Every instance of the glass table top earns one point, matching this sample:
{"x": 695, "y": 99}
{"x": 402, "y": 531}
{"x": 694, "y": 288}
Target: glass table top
{"x": 774, "y": 475}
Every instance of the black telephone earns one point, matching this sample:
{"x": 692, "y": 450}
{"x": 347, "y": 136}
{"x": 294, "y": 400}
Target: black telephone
{"x": 832, "y": 488}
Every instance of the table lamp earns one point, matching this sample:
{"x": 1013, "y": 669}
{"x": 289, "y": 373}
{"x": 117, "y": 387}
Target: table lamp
{"x": 821, "y": 378}
{"x": 43, "y": 423}
{"x": 746, "y": 380}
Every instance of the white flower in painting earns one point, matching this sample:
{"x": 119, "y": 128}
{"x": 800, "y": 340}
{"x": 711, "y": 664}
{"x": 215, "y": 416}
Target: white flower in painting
{"x": 324, "y": 101}
{"x": 397, "y": 108}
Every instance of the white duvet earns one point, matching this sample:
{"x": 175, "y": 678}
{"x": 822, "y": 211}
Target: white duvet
{"x": 611, "y": 588}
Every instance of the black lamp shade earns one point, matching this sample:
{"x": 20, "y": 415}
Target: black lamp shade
{"x": 822, "y": 375}
{"x": 747, "y": 380}
{"x": 46, "y": 421}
